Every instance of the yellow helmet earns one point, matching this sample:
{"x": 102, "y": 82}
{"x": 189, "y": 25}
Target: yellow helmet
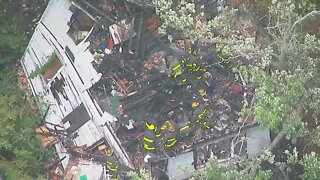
{"x": 195, "y": 104}
{"x": 150, "y": 126}
{"x": 109, "y": 152}
{"x": 202, "y": 92}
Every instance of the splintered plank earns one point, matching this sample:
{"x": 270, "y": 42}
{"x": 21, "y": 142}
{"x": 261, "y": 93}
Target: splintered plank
{"x": 120, "y": 34}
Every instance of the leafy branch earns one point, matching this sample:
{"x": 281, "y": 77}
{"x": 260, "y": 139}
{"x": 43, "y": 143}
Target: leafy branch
{"x": 41, "y": 70}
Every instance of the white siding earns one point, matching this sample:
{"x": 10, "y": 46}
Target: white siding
{"x": 55, "y": 19}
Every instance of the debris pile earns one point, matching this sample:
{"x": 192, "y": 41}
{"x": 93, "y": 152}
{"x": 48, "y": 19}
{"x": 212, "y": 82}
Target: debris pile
{"x": 165, "y": 96}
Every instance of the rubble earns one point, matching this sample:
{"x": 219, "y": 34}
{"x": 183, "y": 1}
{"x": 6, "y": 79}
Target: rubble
{"x": 133, "y": 63}
{"x": 137, "y": 83}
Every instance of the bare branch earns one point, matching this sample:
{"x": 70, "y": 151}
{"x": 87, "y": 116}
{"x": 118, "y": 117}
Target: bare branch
{"x": 309, "y": 15}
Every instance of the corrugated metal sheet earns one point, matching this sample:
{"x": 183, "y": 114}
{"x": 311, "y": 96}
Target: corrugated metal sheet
{"x": 257, "y": 139}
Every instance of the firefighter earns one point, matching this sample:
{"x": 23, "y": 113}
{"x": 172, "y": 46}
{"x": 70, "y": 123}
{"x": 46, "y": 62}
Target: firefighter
{"x": 170, "y": 134}
{"x": 177, "y": 70}
{"x": 196, "y": 70}
{"x": 112, "y": 165}
{"x": 184, "y": 128}
{"x": 152, "y": 133}
{"x": 192, "y": 51}
{"x": 183, "y": 121}
{"x": 211, "y": 119}
{"x": 202, "y": 92}
{"x": 149, "y": 140}
{"x": 152, "y": 125}
{"x": 199, "y": 111}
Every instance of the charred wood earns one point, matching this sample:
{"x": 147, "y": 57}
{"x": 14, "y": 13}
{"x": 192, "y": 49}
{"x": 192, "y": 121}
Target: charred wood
{"x": 143, "y": 99}
{"x": 130, "y": 40}
{"x": 138, "y": 37}
{"x": 52, "y": 165}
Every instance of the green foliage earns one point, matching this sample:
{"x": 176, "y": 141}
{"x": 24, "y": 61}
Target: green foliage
{"x": 311, "y": 164}
{"x": 228, "y": 40}
{"x": 238, "y": 169}
{"x": 21, "y": 154}
{"x": 142, "y": 175}
{"x": 304, "y": 6}
{"x": 181, "y": 16}
{"x": 231, "y": 170}
{"x": 41, "y": 70}
{"x": 282, "y": 96}
{"x": 12, "y": 39}
{"x": 17, "y": 143}
{"x": 10, "y": 172}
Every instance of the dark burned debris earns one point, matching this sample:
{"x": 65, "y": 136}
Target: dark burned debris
{"x": 136, "y": 62}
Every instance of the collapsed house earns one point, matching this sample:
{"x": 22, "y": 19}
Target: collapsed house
{"x": 98, "y": 71}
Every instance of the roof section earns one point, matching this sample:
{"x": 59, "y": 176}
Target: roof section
{"x": 76, "y": 118}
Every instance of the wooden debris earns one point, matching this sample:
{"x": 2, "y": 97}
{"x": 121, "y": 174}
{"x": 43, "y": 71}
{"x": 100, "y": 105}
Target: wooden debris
{"x": 153, "y": 25}
{"x": 106, "y": 6}
{"x": 120, "y": 83}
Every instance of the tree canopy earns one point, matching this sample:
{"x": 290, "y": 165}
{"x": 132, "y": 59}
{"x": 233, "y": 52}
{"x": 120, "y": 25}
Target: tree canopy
{"x": 284, "y": 74}
{"x": 21, "y": 154}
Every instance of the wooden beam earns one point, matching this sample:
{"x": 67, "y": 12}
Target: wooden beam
{"x": 142, "y": 4}
{"x": 57, "y": 125}
{"x": 138, "y": 37}
{"x": 130, "y": 40}
{"x": 50, "y": 166}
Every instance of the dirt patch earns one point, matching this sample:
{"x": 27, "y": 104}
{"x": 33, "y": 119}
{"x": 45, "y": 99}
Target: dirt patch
{"x": 24, "y": 86}
{"x": 53, "y": 69}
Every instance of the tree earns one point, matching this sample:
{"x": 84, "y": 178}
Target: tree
{"x": 18, "y": 145}
{"x": 286, "y": 81}
{"x": 185, "y": 16}
{"x": 12, "y": 38}
{"x": 285, "y": 74}
{"x": 21, "y": 154}
{"x": 290, "y": 89}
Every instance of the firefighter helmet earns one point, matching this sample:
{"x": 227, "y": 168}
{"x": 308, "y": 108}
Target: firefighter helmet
{"x": 195, "y": 104}
{"x": 150, "y": 126}
{"x": 202, "y": 92}
{"x": 109, "y": 152}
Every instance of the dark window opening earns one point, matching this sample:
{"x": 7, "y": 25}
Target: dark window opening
{"x": 80, "y": 25}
